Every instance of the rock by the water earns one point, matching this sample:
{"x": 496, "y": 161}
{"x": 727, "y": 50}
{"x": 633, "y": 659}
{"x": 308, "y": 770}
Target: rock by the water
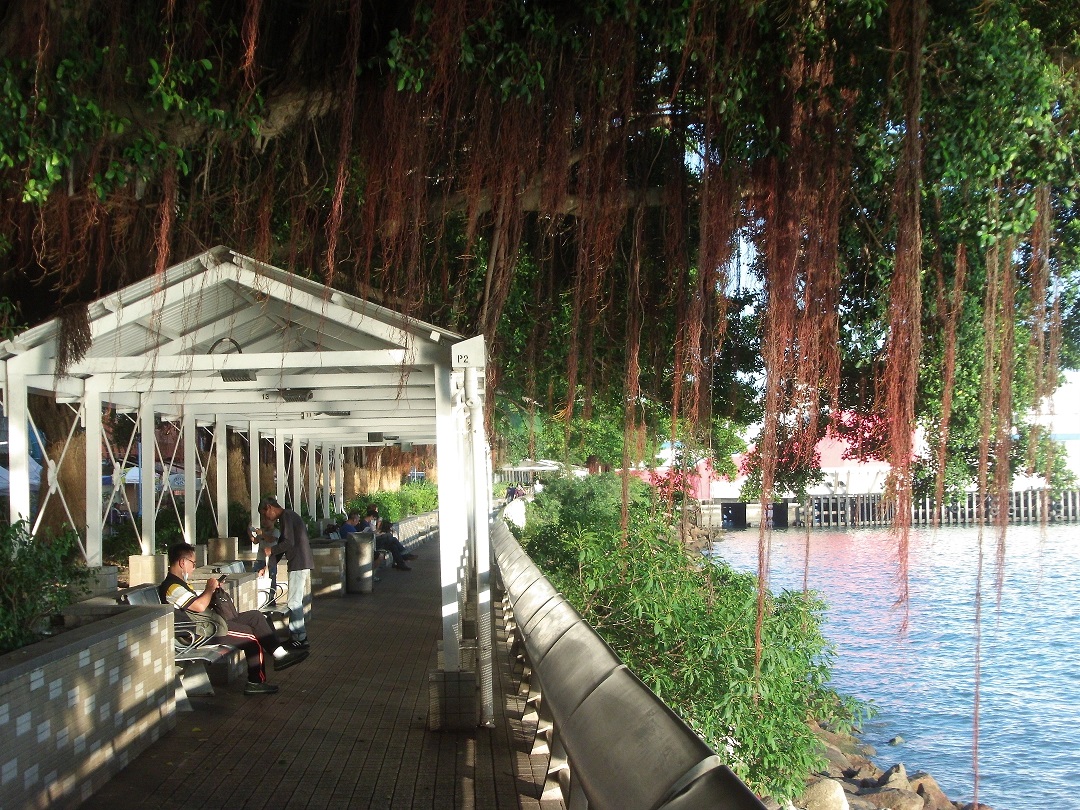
{"x": 864, "y": 775}
{"x": 896, "y": 777}
{"x": 897, "y": 740}
{"x": 934, "y": 797}
{"x": 891, "y": 798}
{"x": 867, "y": 786}
{"x": 825, "y": 794}
{"x": 838, "y": 762}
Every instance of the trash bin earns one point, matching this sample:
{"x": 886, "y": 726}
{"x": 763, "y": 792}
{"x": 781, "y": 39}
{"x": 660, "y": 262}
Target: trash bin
{"x": 359, "y": 554}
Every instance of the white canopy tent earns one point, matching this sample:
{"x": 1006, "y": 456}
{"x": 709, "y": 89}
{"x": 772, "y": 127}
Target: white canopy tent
{"x": 223, "y": 341}
{"x": 34, "y": 472}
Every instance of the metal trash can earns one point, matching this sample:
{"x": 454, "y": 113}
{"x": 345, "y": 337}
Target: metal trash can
{"x": 359, "y": 554}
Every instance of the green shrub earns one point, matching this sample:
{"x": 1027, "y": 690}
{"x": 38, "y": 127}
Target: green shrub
{"x": 411, "y": 499}
{"x": 120, "y": 543}
{"x": 686, "y": 626}
{"x": 38, "y": 578}
{"x": 419, "y": 497}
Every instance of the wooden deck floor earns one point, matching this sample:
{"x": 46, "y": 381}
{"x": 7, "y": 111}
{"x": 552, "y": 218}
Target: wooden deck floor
{"x": 348, "y": 728}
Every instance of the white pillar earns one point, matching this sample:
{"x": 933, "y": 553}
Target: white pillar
{"x": 18, "y": 446}
{"x": 147, "y": 454}
{"x": 324, "y": 460}
{"x": 452, "y": 520}
{"x": 339, "y": 477}
{"x": 279, "y": 464}
{"x": 311, "y": 479}
{"x": 92, "y": 425}
{"x": 481, "y": 488}
{"x": 254, "y": 460}
{"x": 296, "y": 500}
{"x": 221, "y": 459}
{"x": 191, "y": 500}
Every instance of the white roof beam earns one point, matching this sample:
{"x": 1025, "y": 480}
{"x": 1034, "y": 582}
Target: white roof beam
{"x": 189, "y": 363}
{"x": 322, "y": 399}
{"x": 260, "y": 410}
{"x": 371, "y": 383}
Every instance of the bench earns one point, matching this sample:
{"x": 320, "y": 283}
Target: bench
{"x": 194, "y": 646}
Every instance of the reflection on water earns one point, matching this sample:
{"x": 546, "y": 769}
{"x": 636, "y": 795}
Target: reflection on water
{"x": 923, "y": 682}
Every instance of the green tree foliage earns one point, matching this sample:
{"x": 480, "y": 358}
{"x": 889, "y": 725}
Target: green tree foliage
{"x": 38, "y": 578}
{"x": 685, "y": 626}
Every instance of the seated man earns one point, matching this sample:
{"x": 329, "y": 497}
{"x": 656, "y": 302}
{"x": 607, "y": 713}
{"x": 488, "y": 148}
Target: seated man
{"x": 370, "y": 523}
{"x": 386, "y": 541}
{"x": 351, "y": 525}
{"x": 354, "y": 524}
{"x": 249, "y": 630}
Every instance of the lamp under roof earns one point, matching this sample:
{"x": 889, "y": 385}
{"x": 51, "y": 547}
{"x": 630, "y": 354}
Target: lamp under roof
{"x": 237, "y": 374}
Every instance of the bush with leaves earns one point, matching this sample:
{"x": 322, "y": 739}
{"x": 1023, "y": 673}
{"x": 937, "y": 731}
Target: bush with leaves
{"x": 686, "y": 627}
{"x": 38, "y": 578}
{"x": 412, "y": 499}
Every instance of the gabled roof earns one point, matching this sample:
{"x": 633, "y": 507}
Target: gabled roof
{"x": 325, "y": 364}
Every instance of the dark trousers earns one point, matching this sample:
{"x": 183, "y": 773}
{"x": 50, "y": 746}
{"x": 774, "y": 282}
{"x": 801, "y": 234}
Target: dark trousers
{"x": 387, "y": 542}
{"x": 253, "y": 634}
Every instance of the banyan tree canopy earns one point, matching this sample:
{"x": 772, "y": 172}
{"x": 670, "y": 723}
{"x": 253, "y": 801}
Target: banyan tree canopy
{"x": 641, "y": 205}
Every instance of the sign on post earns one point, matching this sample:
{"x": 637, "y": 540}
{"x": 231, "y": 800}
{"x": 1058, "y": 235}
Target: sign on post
{"x": 470, "y": 353}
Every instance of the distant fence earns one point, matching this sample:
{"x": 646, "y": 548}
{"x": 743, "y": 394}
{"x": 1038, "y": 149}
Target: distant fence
{"x": 1028, "y": 506}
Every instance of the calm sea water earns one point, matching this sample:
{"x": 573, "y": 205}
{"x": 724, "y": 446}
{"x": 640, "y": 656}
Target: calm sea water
{"x": 923, "y": 682}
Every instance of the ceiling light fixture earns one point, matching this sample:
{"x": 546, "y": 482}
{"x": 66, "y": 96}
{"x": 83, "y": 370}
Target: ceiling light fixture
{"x": 233, "y": 375}
{"x": 297, "y": 394}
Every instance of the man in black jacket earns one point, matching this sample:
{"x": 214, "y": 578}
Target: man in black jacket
{"x": 294, "y": 546}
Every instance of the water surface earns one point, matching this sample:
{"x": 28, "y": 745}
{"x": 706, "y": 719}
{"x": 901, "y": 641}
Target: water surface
{"x": 923, "y": 681}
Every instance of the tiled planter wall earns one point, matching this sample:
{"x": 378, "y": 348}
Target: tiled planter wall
{"x": 76, "y": 708}
{"x": 328, "y": 575}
